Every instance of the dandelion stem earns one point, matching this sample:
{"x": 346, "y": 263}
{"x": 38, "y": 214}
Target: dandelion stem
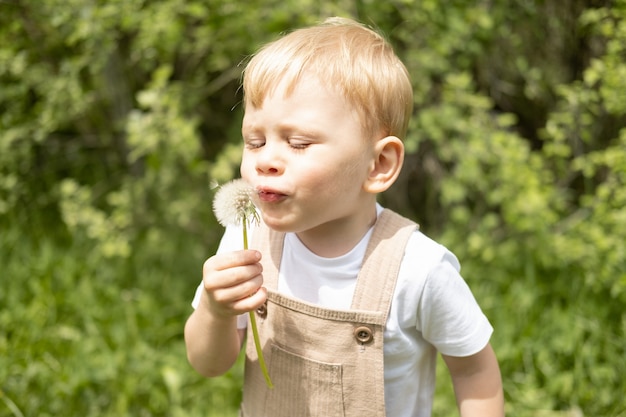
{"x": 245, "y": 231}
{"x": 257, "y": 344}
{"x": 255, "y": 331}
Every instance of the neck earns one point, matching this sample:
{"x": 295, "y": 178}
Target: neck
{"x": 338, "y": 237}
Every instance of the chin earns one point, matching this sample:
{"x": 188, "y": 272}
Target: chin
{"x": 278, "y": 225}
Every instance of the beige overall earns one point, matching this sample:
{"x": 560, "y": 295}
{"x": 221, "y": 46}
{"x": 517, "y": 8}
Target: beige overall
{"x": 323, "y": 362}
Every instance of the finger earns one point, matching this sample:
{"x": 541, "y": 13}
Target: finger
{"x": 252, "y": 302}
{"x": 234, "y": 293}
{"x": 232, "y": 277}
{"x": 230, "y": 307}
{"x": 228, "y": 260}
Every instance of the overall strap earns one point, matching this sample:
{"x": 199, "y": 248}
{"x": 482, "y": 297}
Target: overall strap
{"x": 377, "y": 278}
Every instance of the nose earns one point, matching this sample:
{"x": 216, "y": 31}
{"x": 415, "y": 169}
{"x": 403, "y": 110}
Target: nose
{"x": 269, "y": 160}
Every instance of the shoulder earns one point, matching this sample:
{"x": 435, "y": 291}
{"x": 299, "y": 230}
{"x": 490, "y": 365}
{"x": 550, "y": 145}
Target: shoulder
{"x": 446, "y": 312}
{"x": 423, "y": 254}
{"x": 425, "y": 264}
{"x": 433, "y": 269}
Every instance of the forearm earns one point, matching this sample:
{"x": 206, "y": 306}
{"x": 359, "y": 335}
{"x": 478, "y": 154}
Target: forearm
{"x": 477, "y": 384}
{"x": 485, "y": 406}
{"x": 213, "y": 343}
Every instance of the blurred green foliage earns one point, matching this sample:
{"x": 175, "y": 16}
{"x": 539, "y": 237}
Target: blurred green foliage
{"x": 116, "y": 115}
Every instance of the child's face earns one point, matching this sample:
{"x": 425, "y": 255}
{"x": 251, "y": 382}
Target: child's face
{"x": 307, "y": 156}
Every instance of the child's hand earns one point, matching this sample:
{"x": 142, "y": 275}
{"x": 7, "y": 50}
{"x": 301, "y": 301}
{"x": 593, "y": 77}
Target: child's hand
{"x": 231, "y": 287}
{"x": 232, "y": 283}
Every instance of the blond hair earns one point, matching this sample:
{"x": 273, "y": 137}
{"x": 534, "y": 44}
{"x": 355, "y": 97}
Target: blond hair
{"x": 352, "y": 59}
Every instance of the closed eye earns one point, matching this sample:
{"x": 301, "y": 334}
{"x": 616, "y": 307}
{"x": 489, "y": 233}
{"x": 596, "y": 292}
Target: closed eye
{"x": 297, "y": 143}
{"x": 254, "y": 143}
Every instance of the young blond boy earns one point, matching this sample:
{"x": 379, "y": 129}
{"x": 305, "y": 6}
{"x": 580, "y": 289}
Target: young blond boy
{"x": 353, "y": 302}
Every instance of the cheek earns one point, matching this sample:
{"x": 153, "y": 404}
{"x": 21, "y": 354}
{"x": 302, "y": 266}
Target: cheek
{"x": 353, "y": 169}
{"x": 341, "y": 178}
{"x": 246, "y": 168}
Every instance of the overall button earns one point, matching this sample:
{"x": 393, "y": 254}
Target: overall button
{"x": 262, "y": 311}
{"x": 363, "y": 334}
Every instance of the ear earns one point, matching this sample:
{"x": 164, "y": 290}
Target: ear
{"x": 386, "y": 164}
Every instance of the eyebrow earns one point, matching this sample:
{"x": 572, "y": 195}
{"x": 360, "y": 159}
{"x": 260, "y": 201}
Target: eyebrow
{"x": 284, "y": 127}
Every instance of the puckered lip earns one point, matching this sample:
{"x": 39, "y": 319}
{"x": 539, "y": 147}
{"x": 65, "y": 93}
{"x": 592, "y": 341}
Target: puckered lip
{"x": 269, "y": 195}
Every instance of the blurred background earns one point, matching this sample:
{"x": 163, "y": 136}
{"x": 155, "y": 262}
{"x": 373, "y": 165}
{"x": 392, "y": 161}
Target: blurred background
{"x": 117, "y": 115}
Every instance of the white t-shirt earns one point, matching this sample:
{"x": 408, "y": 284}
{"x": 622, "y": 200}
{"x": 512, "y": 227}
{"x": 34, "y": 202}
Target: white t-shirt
{"x": 432, "y": 310}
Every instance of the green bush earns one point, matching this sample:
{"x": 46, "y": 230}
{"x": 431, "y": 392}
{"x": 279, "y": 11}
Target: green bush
{"x": 84, "y": 335}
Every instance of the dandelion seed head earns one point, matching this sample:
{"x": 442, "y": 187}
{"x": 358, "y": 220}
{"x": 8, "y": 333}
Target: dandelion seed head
{"x": 233, "y": 203}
